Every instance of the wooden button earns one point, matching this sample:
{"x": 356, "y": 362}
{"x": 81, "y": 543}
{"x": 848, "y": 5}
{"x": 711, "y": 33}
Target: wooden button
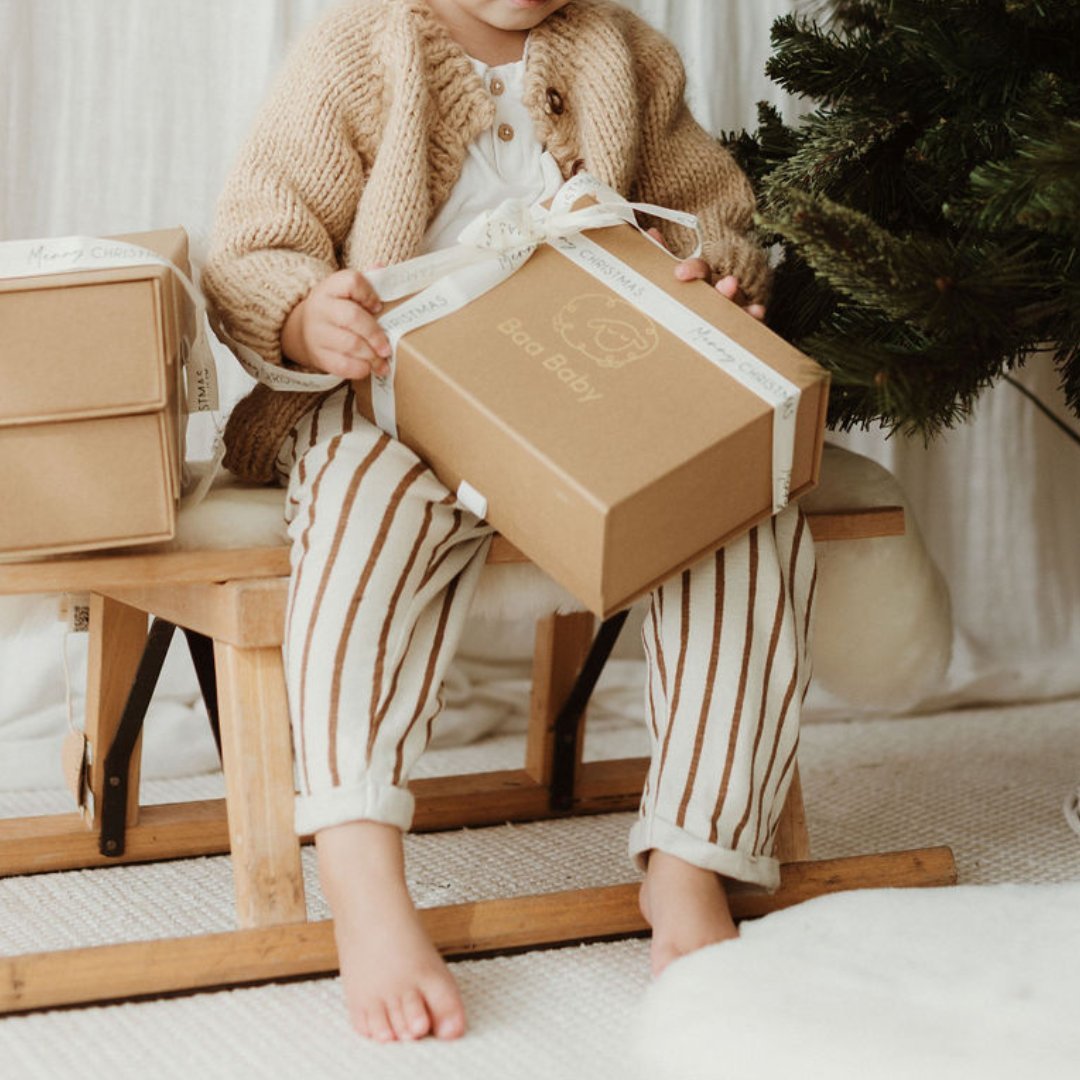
{"x": 506, "y": 132}
{"x": 497, "y": 87}
{"x": 555, "y": 103}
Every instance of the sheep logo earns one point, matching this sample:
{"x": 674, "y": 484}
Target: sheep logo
{"x": 607, "y": 330}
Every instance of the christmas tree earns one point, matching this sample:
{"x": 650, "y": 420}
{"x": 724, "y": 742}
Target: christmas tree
{"x": 928, "y": 210}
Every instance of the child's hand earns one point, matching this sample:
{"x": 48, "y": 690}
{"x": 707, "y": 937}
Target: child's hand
{"x": 698, "y": 270}
{"x": 334, "y": 328}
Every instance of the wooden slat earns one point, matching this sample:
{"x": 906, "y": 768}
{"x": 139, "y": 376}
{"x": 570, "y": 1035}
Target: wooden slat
{"x": 249, "y": 614}
{"x": 51, "y": 842}
{"x": 88, "y": 573}
{"x": 94, "y": 573}
{"x": 856, "y": 524}
{"x": 47, "y": 843}
{"x": 110, "y": 972}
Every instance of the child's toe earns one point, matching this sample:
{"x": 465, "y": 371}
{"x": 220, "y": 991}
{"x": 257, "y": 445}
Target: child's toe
{"x": 396, "y": 1012}
{"x": 416, "y": 1014}
{"x": 378, "y": 1022}
{"x": 447, "y": 1010}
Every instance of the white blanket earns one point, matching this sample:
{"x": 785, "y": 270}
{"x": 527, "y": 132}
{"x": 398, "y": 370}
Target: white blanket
{"x": 891, "y": 984}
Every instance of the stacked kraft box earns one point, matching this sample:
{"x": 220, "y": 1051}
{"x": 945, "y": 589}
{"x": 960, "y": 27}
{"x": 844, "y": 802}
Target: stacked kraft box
{"x": 91, "y": 402}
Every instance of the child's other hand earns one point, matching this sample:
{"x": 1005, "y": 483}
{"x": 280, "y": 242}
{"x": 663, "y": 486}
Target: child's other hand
{"x": 699, "y": 270}
{"x": 334, "y": 328}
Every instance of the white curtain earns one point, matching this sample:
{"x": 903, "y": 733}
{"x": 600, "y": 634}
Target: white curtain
{"x": 121, "y": 115}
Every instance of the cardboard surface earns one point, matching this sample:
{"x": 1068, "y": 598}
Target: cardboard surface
{"x": 610, "y": 452}
{"x": 91, "y": 421}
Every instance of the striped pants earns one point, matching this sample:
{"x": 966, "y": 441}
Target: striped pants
{"x": 384, "y": 566}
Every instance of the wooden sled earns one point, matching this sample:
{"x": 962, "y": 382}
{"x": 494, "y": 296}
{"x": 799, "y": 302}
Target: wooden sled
{"x": 230, "y": 605}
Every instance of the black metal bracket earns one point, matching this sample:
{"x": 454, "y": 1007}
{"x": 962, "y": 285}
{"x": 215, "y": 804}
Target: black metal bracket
{"x": 114, "y": 794}
{"x": 568, "y": 722}
{"x": 202, "y": 656}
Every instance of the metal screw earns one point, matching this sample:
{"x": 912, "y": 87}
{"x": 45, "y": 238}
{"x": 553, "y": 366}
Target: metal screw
{"x": 114, "y": 781}
{"x": 110, "y": 845}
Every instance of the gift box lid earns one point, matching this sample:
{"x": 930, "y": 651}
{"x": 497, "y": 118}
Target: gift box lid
{"x": 94, "y": 343}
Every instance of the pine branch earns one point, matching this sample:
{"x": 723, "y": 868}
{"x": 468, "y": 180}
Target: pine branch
{"x": 810, "y": 61}
{"x": 1038, "y": 188}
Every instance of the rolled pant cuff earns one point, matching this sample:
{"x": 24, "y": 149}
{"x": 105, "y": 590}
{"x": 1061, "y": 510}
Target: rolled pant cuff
{"x": 361, "y": 802}
{"x": 669, "y": 838}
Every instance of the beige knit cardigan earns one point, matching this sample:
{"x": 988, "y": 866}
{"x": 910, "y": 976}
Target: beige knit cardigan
{"x": 365, "y": 134}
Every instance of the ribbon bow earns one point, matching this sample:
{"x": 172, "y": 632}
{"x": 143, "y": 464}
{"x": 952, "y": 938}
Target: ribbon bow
{"x": 490, "y": 249}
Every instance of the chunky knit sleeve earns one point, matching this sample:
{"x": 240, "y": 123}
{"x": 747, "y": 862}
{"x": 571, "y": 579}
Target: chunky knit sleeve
{"x": 684, "y": 167}
{"x": 290, "y": 198}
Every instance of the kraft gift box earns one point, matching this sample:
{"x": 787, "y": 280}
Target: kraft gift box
{"x": 91, "y": 424}
{"x": 610, "y": 452}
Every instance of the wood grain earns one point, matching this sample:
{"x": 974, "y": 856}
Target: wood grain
{"x": 257, "y": 758}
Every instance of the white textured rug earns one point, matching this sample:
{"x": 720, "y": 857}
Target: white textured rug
{"x": 989, "y": 782}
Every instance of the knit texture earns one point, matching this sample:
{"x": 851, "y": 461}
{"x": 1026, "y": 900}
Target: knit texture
{"x": 364, "y": 136}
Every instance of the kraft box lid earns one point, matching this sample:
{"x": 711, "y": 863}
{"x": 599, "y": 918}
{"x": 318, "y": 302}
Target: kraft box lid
{"x": 94, "y": 343}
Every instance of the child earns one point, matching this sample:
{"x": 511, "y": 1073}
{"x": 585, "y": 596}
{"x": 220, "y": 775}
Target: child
{"x": 395, "y": 123}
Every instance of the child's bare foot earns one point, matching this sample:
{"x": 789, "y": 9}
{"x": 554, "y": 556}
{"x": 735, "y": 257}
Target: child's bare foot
{"x": 686, "y": 907}
{"x": 396, "y": 984}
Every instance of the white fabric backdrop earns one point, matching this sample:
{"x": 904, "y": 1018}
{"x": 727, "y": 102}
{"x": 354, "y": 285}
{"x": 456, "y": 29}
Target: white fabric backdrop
{"x": 120, "y": 115}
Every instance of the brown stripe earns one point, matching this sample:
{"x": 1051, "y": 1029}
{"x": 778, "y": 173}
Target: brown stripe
{"x": 736, "y": 717}
{"x": 684, "y": 635}
{"x": 347, "y": 411}
{"x": 437, "y": 557}
{"x": 428, "y": 574}
{"x": 788, "y": 695}
{"x": 657, "y": 622}
{"x": 766, "y": 682}
{"x": 305, "y": 543}
{"x": 809, "y": 608}
{"x": 710, "y": 678}
{"x": 778, "y": 808}
{"x": 354, "y": 603}
{"x": 344, "y": 512}
{"x": 384, "y": 634}
{"x": 313, "y": 438}
{"x": 649, "y": 686}
{"x": 650, "y": 705}
{"x": 429, "y": 675}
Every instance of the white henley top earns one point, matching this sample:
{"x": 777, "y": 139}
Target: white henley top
{"x": 507, "y": 161}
